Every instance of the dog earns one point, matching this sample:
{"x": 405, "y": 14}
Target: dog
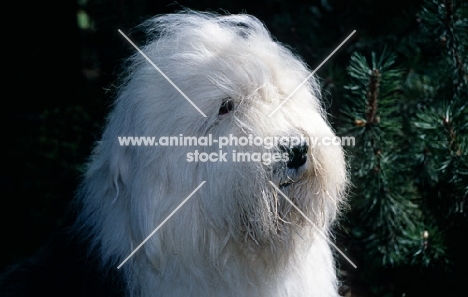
{"x": 233, "y": 218}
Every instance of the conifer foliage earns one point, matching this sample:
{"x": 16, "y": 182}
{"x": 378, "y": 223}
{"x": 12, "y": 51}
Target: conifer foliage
{"x": 409, "y": 165}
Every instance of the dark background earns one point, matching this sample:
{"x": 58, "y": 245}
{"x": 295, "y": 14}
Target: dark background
{"x": 59, "y": 74}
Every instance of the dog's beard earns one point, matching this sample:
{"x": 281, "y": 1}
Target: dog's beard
{"x": 266, "y": 218}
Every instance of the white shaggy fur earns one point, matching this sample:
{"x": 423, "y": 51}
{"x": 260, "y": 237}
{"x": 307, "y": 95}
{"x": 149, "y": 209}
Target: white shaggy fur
{"x": 236, "y": 236}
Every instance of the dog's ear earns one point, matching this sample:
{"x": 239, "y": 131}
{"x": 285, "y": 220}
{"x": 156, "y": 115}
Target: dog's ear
{"x": 107, "y": 172}
{"x": 119, "y": 160}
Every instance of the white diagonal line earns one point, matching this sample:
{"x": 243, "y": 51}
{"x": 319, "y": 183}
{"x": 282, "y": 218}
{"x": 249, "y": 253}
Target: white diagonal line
{"x": 160, "y": 225}
{"x": 310, "y": 75}
{"x": 162, "y": 73}
{"x": 312, "y": 223}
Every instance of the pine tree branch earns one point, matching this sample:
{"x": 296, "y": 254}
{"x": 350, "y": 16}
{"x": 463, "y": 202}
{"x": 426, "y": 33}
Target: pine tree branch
{"x": 372, "y": 97}
{"x": 452, "y": 45}
{"x": 453, "y": 145}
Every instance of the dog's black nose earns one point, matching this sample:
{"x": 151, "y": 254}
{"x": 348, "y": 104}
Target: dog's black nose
{"x": 297, "y": 154}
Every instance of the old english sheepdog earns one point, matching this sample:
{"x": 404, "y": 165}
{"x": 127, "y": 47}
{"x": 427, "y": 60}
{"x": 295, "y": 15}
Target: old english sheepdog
{"x": 230, "y": 122}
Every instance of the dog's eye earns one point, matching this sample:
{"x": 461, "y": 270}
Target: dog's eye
{"x": 226, "y": 107}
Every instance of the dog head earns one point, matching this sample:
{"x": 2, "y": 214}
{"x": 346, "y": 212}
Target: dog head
{"x": 222, "y": 77}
